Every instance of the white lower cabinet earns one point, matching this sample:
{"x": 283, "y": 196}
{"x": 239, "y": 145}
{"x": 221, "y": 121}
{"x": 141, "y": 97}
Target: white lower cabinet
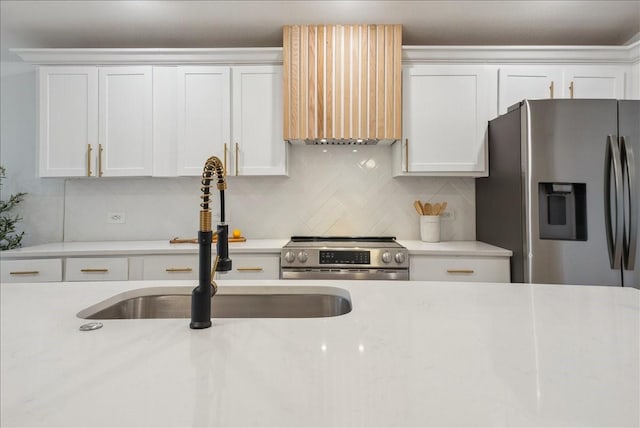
{"x": 253, "y": 266}
{"x": 170, "y": 267}
{"x": 245, "y": 266}
{"x": 459, "y": 268}
{"x": 96, "y": 269}
{"x": 35, "y": 270}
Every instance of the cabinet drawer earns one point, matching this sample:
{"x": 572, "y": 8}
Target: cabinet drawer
{"x": 96, "y": 269}
{"x": 255, "y": 266}
{"x": 170, "y": 267}
{"x": 43, "y": 270}
{"x": 460, "y": 269}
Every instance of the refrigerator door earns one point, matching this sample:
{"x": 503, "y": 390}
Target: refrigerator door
{"x": 564, "y": 147}
{"x": 629, "y": 136}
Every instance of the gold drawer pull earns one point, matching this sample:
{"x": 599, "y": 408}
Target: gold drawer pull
{"x": 25, "y": 272}
{"x": 249, "y": 269}
{"x": 467, "y": 271}
{"x": 94, "y": 270}
{"x": 184, "y": 269}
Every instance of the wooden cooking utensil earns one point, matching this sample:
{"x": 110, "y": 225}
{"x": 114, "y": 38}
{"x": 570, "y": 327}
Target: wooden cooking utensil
{"x": 418, "y": 207}
{"x": 428, "y": 209}
{"x": 436, "y": 208}
{"x": 443, "y": 207}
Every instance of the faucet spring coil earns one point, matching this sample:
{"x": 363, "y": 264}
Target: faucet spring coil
{"x": 212, "y": 166}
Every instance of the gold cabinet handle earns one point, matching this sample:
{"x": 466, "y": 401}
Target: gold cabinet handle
{"x": 100, "y": 160}
{"x": 551, "y": 90}
{"x": 249, "y": 269}
{"x": 237, "y": 154}
{"x": 225, "y": 158}
{"x": 406, "y": 155}
{"x": 184, "y": 269}
{"x": 571, "y": 90}
{"x": 25, "y": 272}
{"x": 465, "y": 271}
{"x": 89, "y": 150}
{"x": 91, "y": 270}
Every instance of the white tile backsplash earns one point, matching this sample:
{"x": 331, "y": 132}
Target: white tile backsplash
{"x": 330, "y": 191}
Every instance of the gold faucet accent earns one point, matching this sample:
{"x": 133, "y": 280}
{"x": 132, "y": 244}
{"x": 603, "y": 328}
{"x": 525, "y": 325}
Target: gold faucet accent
{"x": 213, "y": 165}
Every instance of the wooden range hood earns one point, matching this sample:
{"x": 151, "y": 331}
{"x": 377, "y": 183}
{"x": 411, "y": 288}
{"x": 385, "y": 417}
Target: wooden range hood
{"x": 342, "y": 83}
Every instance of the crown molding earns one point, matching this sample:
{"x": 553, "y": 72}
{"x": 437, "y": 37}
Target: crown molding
{"x": 627, "y": 54}
{"x": 523, "y": 54}
{"x": 156, "y": 56}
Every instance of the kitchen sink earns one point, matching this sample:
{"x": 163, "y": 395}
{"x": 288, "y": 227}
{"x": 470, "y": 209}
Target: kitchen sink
{"x": 229, "y": 302}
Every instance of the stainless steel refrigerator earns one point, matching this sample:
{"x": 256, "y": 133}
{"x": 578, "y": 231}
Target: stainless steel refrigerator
{"x": 563, "y": 191}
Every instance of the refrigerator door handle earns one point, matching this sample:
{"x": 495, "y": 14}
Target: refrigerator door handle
{"x": 614, "y": 240}
{"x": 629, "y": 175}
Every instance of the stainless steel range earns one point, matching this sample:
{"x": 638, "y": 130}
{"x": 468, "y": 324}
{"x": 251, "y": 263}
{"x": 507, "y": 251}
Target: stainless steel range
{"x": 344, "y": 257}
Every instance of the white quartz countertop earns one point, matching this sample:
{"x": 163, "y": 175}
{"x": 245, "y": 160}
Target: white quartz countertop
{"x": 116, "y": 248}
{"x": 454, "y": 248}
{"x": 408, "y": 354}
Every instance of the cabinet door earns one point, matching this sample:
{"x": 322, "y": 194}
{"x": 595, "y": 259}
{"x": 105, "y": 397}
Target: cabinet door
{"x": 125, "y": 130}
{"x": 170, "y": 267}
{"x": 68, "y": 120}
{"x": 253, "y": 266}
{"x": 445, "y": 114}
{"x": 258, "y": 144}
{"x": 459, "y": 269}
{"x": 594, "y": 82}
{"x": 96, "y": 269}
{"x": 204, "y": 114}
{"x": 517, "y": 83}
{"x": 36, "y": 270}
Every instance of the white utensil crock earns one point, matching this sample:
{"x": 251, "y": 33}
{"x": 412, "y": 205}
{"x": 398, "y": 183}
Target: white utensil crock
{"x": 430, "y": 228}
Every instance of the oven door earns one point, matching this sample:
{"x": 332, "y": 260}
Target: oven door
{"x": 345, "y": 274}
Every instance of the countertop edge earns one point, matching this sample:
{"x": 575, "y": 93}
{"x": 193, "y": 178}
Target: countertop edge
{"x": 265, "y": 246}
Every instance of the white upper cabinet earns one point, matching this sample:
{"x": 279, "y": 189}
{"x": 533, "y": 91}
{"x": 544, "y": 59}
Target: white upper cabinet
{"x": 445, "y": 113}
{"x": 68, "y": 120}
{"x": 258, "y": 144}
{"x": 95, "y": 121}
{"x": 125, "y": 146}
{"x": 203, "y": 114}
{"x": 517, "y": 83}
{"x": 594, "y": 82}
{"x": 234, "y": 113}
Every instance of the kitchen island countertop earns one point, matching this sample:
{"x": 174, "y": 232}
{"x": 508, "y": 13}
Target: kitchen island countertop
{"x": 408, "y": 354}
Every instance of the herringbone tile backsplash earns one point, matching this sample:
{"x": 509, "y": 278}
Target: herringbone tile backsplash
{"x": 329, "y": 191}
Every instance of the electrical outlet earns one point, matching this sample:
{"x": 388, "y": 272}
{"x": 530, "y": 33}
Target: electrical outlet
{"x": 448, "y": 215}
{"x": 115, "y": 218}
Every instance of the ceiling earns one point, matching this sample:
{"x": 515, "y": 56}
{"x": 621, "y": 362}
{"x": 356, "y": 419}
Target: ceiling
{"x": 199, "y": 24}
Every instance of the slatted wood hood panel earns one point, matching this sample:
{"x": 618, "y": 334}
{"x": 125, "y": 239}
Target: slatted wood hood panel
{"x": 342, "y": 83}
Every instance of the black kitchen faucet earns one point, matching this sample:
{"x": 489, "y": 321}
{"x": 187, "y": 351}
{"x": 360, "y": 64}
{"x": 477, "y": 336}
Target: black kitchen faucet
{"x": 207, "y": 288}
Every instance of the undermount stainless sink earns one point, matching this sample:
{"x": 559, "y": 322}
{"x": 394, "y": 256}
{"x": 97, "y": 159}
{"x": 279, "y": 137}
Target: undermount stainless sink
{"x": 229, "y": 302}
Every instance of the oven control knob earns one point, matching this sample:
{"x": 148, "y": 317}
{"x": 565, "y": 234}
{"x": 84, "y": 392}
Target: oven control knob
{"x": 399, "y": 257}
{"x": 303, "y": 256}
{"x": 289, "y": 256}
{"x": 386, "y": 257}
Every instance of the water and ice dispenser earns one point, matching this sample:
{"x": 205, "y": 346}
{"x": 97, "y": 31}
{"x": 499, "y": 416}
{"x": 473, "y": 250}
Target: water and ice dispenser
{"x": 562, "y": 211}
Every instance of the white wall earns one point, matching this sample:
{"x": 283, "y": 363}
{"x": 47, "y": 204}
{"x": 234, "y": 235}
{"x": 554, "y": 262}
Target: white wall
{"x": 338, "y": 192}
{"x": 43, "y": 207}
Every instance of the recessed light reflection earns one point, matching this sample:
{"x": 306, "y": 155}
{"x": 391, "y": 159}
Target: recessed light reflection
{"x": 324, "y": 150}
{"x": 361, "y": 348}
{"x": 323, "y": 347}
{"x": 355, "y": 150}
